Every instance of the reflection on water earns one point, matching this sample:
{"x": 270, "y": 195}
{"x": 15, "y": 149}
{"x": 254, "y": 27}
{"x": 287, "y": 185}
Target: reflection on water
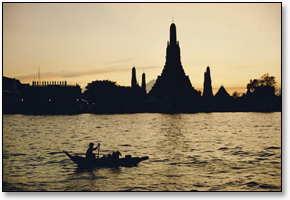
{"x": 187, "y": 152}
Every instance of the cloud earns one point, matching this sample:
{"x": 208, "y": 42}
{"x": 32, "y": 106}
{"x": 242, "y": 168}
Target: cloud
{"x": 71, "y": 74}
{"x": 74, "y": 74}
{"x": 121, "y": 61}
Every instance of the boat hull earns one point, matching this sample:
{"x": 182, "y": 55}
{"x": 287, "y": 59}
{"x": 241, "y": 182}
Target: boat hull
{"x": 128, "y": 161}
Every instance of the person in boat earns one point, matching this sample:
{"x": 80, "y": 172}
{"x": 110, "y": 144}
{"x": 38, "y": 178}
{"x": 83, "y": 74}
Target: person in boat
{"x": 115, "y": 155}
{"x": 89, "y": 154}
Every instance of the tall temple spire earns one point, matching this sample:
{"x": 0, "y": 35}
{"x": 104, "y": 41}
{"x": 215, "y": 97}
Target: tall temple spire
{"x": 172, "y": 34}
{"x": 173, "y": 84}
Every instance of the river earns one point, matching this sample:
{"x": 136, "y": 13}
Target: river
{"x": 187, "y": 152}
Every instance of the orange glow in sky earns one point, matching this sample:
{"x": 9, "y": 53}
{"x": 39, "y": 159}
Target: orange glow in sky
{"x": 84, "y": 42}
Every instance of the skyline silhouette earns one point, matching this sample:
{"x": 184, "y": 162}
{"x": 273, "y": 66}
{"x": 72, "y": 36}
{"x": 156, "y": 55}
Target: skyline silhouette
{"x": 171, "y": 93}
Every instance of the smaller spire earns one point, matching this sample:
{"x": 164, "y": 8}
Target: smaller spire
{"x": 133, "y": 80}
{"x": 143, "y": 83}
{"x": 172, "y": 19}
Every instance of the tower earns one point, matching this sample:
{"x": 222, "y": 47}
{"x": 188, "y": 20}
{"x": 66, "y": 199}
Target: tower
{"x": 172, "y": 33}
{"x": 143, "y": 83}
{"x": 133, "y": 80}
{"x": 207, "y": 88}
{"x": 173, "y": 83}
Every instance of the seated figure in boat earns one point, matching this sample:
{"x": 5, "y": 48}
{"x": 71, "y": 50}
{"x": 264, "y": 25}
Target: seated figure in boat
{"x": 89, "y": 154}
{"x": 115, "y": 155}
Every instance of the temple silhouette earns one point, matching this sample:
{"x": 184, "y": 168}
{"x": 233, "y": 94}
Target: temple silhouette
{"x": 134, "y": 83}
{"x": 173, "y": 80}
{"x": 171, "y": 93}
{"x": 207, "y": 88}
{"x": 173, "y": 85}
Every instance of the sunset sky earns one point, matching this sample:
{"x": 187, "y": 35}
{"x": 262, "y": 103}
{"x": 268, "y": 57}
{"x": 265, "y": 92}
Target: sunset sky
{"x": 84, "y": 42}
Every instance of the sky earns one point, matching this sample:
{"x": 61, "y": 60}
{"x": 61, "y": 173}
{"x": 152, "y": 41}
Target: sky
{"x": 83, "y": 42}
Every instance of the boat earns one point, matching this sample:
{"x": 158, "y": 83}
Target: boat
{"x": 128, "y": 161}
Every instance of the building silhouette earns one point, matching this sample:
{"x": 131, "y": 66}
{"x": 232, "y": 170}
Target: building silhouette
{"x": 223, "y": 100}
{"x": 12, "y": 90}
{"x": 222, "y": 93}
{"x": 51, "y": 97}
{"x": 143, "y": 83}
{"x": 173, "y": 85}
{"x": 208, "y": 102}
{"x": 134, "y": 79}
{"x": 207, "y": 88}
{"x": 134, "y": 83}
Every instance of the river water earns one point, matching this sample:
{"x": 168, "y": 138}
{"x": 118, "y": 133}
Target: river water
{"x": 187, "y": 152}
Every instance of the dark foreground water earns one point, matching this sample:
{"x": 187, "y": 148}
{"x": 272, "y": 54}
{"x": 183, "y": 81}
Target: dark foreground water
{"x": 187, "y": 152}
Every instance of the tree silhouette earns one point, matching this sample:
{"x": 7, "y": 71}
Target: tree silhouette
{"x": 261, "y": 96}
{"x": 108, "y": 97}
{"x": 100, "y": 91}
{"x": 265, "y": 81}
{"x": 253, "y": 85}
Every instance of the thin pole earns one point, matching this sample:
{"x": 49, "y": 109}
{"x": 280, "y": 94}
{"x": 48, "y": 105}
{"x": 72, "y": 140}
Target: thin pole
{"x": 99, "y": 150}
